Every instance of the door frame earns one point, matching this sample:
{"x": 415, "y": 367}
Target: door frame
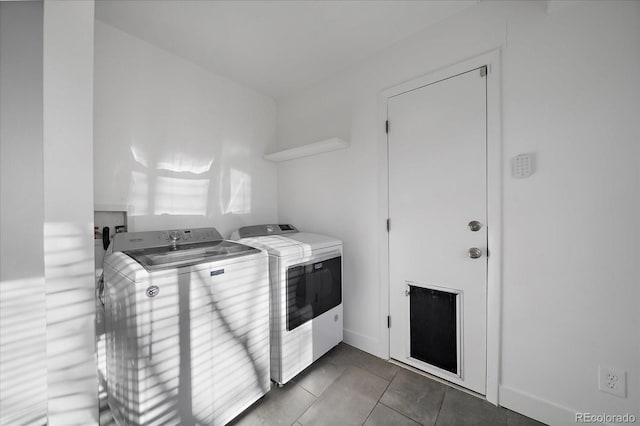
{"x": 494, "y": 204}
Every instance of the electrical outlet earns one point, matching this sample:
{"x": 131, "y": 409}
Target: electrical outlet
{"x": 612, "y": 380}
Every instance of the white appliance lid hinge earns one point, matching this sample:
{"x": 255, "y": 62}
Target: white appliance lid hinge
{"x": 388, "y": 224}
{"x": 388, "y": 321}
{"x": 386, "y": 126}
{"x": 483, "y": 71}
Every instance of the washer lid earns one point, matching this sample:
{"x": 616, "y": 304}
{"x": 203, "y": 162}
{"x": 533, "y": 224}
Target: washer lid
{"x": 155, "y": 258}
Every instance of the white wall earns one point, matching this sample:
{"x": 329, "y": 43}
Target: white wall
{"x": 23, "y": 362}
{"x": 175, "y": 145}
{"x": 68, "y": 212}
{"x": 571, "y": 293}
{"x": 571, "y": 94}
{"x": 338, "y": 193}
{"x": 47, "y": 360}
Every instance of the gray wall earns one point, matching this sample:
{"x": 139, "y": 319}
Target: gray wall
{"x": 23, "y": 397}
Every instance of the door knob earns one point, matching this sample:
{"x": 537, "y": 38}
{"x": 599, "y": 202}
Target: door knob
{"x": 475, "y": 252}
{"x": 474, "y": 225}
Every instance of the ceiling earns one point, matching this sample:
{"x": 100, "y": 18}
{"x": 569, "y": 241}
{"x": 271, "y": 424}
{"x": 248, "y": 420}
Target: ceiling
{"x": 275, "y": 47}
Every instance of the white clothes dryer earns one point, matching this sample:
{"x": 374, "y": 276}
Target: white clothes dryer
{"x": 187, "y": 327}
{"x": 305, "y": 272}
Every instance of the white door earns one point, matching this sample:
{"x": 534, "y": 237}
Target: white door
{"x": 438, "y": 228}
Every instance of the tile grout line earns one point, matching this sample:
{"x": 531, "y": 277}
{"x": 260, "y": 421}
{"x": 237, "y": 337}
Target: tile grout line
{"x": 349, "y": 365}
{"x": 402, "y": 414}
{"x": 444, "y": 395}
{"x": 297, "y": 420}
{"x": 436, "y": 379}
{"x": 379, "y": 398}
{"x": 316, "y": 398}
{"x": 362, "y": 367}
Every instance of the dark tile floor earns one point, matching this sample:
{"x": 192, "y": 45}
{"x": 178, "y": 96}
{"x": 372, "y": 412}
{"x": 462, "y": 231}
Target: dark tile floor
{"x": 350, "y": 387}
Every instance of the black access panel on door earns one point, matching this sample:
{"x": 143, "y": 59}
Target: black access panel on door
{"x": 433, "y": 327}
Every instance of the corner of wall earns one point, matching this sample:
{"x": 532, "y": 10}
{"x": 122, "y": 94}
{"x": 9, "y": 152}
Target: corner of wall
{"x": 68, "y": 30}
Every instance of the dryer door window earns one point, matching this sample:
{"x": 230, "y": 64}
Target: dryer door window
{"x": 313, "y": 289}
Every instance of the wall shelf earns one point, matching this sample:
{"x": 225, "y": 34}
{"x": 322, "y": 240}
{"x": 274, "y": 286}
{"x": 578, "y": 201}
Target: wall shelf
{"x": 320, "y": 147}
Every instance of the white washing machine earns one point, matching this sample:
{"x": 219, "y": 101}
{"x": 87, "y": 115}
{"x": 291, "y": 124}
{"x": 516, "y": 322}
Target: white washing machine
{"x": 187, "y": 327}
{"x": 306, "y": 294}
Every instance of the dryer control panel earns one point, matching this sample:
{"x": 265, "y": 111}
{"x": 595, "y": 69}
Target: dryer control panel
{"x": 262, "y": 230}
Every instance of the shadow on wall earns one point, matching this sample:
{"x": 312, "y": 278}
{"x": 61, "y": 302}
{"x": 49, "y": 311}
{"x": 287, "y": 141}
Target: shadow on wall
{"x": 47, "y": 366}
{"x": 186, "y": 187}
{"x": 71, "y": 365}
{"x": 23, "y": 346}
{"x": 47, "y": 362}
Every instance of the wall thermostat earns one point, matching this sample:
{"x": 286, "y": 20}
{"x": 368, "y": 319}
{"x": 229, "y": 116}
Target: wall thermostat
{"x": 522, "y": 165}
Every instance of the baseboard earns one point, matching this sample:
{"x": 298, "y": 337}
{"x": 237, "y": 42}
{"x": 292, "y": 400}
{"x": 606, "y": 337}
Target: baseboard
{"x": 537, "y": 408}
{"x": 362, "y": 342}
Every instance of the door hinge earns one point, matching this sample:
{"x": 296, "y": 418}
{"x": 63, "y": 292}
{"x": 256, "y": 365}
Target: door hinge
{"x": 388, "y": 224}
{"x": 386, "y": 126}
{"x": 483, "y": 71}
{"x": 388, "y": 321}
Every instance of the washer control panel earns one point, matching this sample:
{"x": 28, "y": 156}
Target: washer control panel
{"x": 141, "y": 240}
